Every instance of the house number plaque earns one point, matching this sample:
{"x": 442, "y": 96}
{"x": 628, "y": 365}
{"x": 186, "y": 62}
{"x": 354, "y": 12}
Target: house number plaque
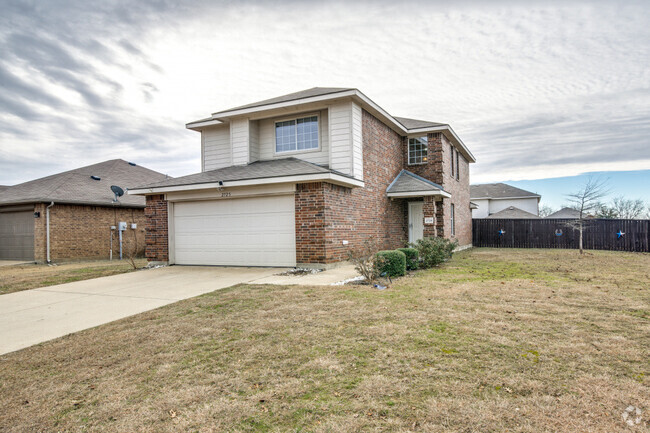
{"x": 428, "y": 220}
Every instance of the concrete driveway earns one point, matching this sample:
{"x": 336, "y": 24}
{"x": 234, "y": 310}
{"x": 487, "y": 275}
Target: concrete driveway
{"x": 33, "y": 316}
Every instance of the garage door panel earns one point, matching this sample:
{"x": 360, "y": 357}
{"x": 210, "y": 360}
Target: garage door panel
{"x": 257, "y": 231}
{"x": 17, "y": 235}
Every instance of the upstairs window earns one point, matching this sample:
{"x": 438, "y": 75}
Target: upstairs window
{"x": 451, "y": 152}
{"x": 457, "y": 165}
{"x": 417, "y": 150}
{"x": 453, "y": 220}
{"x": 296, "y": 134}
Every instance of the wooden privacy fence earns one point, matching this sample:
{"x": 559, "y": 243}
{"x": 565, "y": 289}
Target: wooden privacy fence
{"x": 598, "y": 234}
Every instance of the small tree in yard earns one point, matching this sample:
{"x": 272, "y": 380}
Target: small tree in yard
{"x": 364, "y": 259}
{"x": 586, "y": 200}
{"x": 133, "y": 251}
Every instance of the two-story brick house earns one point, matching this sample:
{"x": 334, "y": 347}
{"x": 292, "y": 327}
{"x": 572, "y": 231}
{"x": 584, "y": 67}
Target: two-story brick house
{"x": 300, "y": 179}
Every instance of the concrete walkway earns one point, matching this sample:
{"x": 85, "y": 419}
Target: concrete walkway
{"x": 34, "y": 316}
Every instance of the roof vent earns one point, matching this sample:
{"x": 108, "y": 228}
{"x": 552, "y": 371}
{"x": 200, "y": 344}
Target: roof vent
{"x": 132, "y": 163}
{"x": 95, "y": 178}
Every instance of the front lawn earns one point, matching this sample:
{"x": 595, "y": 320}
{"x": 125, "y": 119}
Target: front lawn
{"x": 30, "y": 276}
{"x": 493, "y": 341}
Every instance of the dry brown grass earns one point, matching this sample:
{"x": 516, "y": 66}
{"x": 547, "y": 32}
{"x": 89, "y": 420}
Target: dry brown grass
{"x": 23, "y": 277}
{"x": 494, "y": 341}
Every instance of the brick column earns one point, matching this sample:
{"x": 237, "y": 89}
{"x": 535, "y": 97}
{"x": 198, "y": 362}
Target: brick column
{"x": 40, "y": 228}
{"x": 429, "y": 209}
{"x": 440, "y": 217}
{"x": 310, "y": 223}
{"x": 156, "y": 235}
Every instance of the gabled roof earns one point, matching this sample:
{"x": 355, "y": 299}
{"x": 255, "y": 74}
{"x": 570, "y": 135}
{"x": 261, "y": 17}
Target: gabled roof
{"x": 512, "y": 212}
{"x": 314, "y": 91}
{"x": 565, "y": 212}
{"x": 320, "y": 95}
{"x": 3, "y": 187}
{"x": 77, "y": 187}
{"x": 255, "y": 171}
{"x": 408, "y": 183}
{"x": 415, "y": 124}
{"x": 498, "y": 191}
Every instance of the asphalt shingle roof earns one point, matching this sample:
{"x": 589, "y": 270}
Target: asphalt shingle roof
{"x": 512, "y": 213}
{"x": 77, "y": 187}
{"x": 565, "y": 212}
{"x": 254, "y": 170}
{"x": 498, "y": 190}
{"x": 320, "y": 91}
{"x": 314, "y": 91}
{"x": 415, "y": 124}
{"x": 411, "y": 182}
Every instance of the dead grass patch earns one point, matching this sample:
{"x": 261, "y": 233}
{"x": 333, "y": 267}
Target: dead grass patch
{"x": 31, "y": 276}
{"x": 494, "y": 341}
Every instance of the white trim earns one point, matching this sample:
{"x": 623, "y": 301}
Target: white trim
{"x": 418, "y": 194}
{"x": 171, "y": 245}
{"x": 504, "y": 198}
{"x": 319, "y": 148}
{"x": 408, "y": 149}
{"x": 329, "y": 177}
{"x": 328, "y": 96}
{"x": 355, "y": 93}
{"x": 196, "y": 125}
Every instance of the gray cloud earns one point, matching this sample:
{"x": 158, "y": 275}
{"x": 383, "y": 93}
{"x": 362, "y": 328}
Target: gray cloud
{"x": 524, "y": 87}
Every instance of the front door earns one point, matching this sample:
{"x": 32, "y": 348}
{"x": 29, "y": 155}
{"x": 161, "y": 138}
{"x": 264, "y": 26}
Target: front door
{"x": 416, "y": 221}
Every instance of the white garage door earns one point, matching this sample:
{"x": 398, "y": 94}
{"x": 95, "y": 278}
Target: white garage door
{"x": 257, "y": 231}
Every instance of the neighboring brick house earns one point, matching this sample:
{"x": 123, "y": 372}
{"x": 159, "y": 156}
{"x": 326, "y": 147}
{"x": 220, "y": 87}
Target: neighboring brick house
{"x": 302, "y": 178}
{"x": 80, "y": 208}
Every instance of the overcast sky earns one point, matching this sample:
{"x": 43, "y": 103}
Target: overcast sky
{"x": 535, "y": 89}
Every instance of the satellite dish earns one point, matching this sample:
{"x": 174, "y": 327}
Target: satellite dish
{"x": 119, "y": 192}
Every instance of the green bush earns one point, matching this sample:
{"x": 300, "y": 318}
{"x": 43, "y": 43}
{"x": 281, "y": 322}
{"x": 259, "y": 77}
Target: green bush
{"x": 411, "y": 258}
{"x": 393, "y": 263}
{"x": 434, "y": 251}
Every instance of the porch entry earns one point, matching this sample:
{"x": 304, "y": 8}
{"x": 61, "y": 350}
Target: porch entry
{"x": 416, "y": 220}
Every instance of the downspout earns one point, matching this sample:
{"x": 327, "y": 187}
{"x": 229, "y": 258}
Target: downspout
{"x": 47, "y": 237}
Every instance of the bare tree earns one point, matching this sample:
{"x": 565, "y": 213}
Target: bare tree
{"x": 133, "y": 251}
{"x": 364, "y": 257}
{"x": 586, "y": 200}
{"x": 605, "y": 211}
{"x": 628, "y": 208}
{"x": 545, "y": 210}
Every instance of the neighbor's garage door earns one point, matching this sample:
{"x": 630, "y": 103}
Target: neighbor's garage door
{"x": 256, "y": 231}
{"x": 17, "y": 235}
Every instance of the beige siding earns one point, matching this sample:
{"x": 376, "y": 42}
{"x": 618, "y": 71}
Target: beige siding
{"x": 526, "y": 204}
{"x": 239, "y": 139}
{"x": 341, "y": 137}
{"x": 216, "y": 147}
{"x": 357, "y": 143}
{"x": 254, "y": 145}
{"x": 267, "y": 141}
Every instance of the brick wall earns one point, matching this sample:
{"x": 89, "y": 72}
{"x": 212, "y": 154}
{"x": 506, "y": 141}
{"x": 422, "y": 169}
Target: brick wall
{"x": 156, "y": 237}
{"x": 355, "y": 214}
{"x": 459, "y": 190}
{"x": 84, "y": 232}
{"x": 433, "y": 168}
{"x": 310, "y": 223}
